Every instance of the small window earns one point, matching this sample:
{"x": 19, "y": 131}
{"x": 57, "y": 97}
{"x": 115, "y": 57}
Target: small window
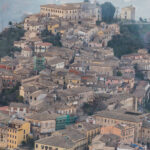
{"x": 42, "y": 147}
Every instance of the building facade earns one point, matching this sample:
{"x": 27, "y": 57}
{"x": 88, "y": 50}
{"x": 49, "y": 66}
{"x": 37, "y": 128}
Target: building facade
{"x": 72, "y": 11}
{"x": 112, "y": 118}
{"x": 3, "y": 136}
{"x": 18, "y": 131}
{"x": 128, "y": 13}
{"x": 69, "y": 139}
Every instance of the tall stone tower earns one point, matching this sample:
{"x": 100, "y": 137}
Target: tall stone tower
{"x": 128, "y": 13}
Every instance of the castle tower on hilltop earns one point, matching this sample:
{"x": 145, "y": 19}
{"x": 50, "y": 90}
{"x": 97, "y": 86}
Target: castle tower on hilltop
{"x": 128, "y": 13}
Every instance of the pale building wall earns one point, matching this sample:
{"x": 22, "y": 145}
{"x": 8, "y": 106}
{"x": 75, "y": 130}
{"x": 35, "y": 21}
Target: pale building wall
{"x": 128, "y": 13}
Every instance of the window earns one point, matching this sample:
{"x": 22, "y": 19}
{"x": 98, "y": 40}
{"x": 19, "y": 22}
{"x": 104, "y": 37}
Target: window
{"x": 42, "y": 147}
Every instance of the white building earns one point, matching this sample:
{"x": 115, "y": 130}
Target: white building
{"x": 26, "y": 52}
{"x": 42, "y": 47}
{"x": 128, "y": 13}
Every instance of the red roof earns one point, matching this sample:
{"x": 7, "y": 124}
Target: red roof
{"x": 86, "y": 77}
{"x": 5, "y": 108}
{"x": 44, "y": 44}
{"x": 75, "y": 72}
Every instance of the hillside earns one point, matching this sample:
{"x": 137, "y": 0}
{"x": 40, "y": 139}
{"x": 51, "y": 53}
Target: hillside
{"x": 7, "y": 38}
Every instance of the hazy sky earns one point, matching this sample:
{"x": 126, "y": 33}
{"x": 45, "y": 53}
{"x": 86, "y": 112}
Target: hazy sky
{"x": 13, "y": 10}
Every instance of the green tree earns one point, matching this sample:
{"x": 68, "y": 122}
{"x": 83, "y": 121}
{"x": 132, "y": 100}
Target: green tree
{"x": 119, "y": 73}
{"x": 98, "y": 23}
{"x": 47, "y": 36}
{"x": 138, "y": 73}
{"x": 129, "y": 40}
{"x": 10, "y": 95}
{"x": 92, "y": 107}
{"x": 108, "y": 11}
{"x": 141, "y": 19}
{"x": 10, "y": 23}
{"x": 7, "y": 38}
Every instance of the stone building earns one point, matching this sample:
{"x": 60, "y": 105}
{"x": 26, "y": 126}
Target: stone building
{"x": 26, "y": 52}
{"x": 124, "y": 131}
{"x": 109, "y": 118}
{"x": 42, "y": 125}
{"x": 72, "y": 11}
{"x": 69, "y": 139}
{"x": 128, "y": 13}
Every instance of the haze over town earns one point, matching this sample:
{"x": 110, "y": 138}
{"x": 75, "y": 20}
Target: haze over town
{"x": 18, "y": 8}
{"x": 74, "y": 76}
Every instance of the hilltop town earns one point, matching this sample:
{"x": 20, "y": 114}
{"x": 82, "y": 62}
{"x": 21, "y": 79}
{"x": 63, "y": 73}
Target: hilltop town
{"x": 64, "y": 88}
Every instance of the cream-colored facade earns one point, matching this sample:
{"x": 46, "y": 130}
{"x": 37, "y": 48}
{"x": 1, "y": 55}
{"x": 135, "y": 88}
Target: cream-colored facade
{"x": 61, "y": 11}
{"x": 112, "y": 118}
{"x": 69, "y": 139}
{"x": 72, "y": 11}
{"x": 124, "y": 131}
{"x": 18, "y": 131}
{"x": 128, "y": 13}
{"x": 46, "y": 126}
{"x": 3, "y": 136}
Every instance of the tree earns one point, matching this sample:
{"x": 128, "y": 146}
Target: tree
{"x": 108, "y": 11}
{"x": 138, "y": 73}
{"x": 29, "y": 142}
{"x": 98, "y": 23}
{"x": 10, "y": 95}
{"x": 147, "y": 40}
{"x": 7, "y": 38}
{"x": 48, "y": 36}
{"x": 96, "y": 105}
{"x": 10, "y": 23}
{"x": 119, "y": 73}
{"x": 141, "y": 19}
{"x": 129, "y": 41}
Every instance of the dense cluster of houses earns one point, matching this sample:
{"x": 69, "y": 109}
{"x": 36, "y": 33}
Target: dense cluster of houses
{"x": 57, "y": 81}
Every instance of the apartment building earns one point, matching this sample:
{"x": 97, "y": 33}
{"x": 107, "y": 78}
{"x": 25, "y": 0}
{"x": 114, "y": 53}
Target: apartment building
{"x": 18, "y": 131}
{"x": 112, "y": 118}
